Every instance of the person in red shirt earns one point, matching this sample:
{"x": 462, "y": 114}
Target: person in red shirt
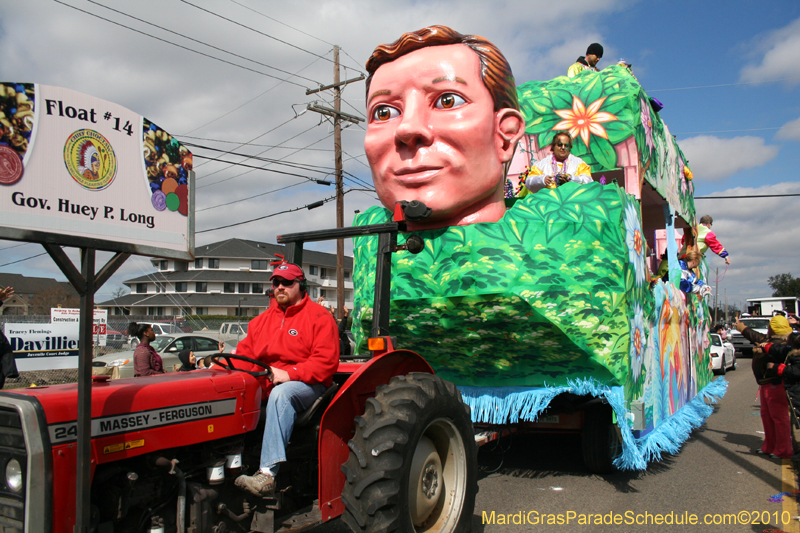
{"x": 299, "y": 340}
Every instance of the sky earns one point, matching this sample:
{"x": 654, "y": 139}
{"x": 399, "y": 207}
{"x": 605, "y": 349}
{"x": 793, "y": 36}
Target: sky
{"x": 727, "y": 73}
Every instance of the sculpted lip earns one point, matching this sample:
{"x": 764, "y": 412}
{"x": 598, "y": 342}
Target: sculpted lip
{"x": 416, "y": 172}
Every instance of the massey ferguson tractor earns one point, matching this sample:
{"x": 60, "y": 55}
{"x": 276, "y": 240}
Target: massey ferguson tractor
{"x": 390, "y": 446}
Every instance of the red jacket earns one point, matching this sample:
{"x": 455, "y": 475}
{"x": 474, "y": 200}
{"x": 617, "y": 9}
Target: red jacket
{"x": 303, "y": 341}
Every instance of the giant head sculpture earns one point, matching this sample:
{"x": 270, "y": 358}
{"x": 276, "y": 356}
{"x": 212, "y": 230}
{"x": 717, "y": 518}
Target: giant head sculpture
{"x": 443, "y": 122}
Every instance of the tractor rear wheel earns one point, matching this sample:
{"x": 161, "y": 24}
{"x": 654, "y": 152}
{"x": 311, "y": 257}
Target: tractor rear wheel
{"x": 413, "y": 460}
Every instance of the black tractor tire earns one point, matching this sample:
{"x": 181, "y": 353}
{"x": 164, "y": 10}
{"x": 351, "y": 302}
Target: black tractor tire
{"x": 413, "y": 460}
{"x": 601, "y": 440}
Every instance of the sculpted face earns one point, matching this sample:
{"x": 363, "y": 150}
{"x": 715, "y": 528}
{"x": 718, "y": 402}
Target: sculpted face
{"x": 433, "y": 136}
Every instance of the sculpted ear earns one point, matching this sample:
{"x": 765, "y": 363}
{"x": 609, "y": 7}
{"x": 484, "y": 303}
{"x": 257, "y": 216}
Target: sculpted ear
{"x": 510, "y": 129}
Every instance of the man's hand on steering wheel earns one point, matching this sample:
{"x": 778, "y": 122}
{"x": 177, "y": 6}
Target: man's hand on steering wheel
{"x": 229, "y": 357}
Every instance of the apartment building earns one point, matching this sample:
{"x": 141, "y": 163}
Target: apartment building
{"x": 229, "y": 277}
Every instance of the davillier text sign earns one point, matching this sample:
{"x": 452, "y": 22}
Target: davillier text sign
{"x": 83, "y": 168}
{"x": 43, "y": 346}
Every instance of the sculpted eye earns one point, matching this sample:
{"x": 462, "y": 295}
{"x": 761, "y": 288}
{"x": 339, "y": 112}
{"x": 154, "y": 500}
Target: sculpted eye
{"x": 449, "y": 101}
{"x": 383, "y": 113}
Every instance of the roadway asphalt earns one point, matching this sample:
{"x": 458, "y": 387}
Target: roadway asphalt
{"x": 716, "y": 476}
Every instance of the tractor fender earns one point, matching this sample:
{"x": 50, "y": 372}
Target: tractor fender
{"x": 337, "y": 426}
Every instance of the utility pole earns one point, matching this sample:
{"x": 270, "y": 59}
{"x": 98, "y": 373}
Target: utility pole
{"x": 716, "y": 295}
{"x": 337, "y": 115}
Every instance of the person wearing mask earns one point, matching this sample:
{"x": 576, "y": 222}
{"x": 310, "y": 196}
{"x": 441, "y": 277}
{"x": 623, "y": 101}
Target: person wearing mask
{"x": 587, "y": 62}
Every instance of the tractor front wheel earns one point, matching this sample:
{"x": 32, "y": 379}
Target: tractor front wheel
{"x": 413, "y": 460}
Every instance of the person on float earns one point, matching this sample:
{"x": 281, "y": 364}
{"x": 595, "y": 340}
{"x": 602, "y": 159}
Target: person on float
{"x": 146, "y": 361}
{"x": 588, "y": 62}
{"x": 557, "y": 169}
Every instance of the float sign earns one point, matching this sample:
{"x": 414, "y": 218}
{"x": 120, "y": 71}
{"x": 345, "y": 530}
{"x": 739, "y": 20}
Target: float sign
{"x": 43, "y": 346}
{"x": 92, "y": 173}
{"x": 73, "y": 316}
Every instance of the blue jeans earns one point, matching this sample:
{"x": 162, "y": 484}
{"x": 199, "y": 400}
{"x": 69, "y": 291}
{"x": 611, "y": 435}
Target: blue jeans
{"x": 285, "y": 401}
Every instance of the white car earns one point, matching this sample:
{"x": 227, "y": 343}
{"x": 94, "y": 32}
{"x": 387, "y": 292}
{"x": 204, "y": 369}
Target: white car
{"x": 159, "y": 328}
{"x": 723, "y": 357}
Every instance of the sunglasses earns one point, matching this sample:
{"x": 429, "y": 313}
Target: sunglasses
{"x": 285, "y": 282}
{"x": 562, "y": 145}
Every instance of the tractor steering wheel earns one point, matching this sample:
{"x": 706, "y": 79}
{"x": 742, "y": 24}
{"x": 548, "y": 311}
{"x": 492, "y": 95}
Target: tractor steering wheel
{"x": 229, "y": 357}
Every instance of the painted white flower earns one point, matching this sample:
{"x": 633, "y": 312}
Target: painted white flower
{"x": 635, "y": 242}
{"x": 637, "y": 341}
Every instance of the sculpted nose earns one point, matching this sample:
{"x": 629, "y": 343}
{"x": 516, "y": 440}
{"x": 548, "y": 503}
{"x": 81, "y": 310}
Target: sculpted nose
{"x": 414, "y": 129}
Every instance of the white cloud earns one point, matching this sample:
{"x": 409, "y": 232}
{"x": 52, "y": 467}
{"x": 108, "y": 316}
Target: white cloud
{"x": 776, "y": 55}
{"x": 715, "y": 159}
{"x": 789, "y": 131}
{"x": 758, "y": 234}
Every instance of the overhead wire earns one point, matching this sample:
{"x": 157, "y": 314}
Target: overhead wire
{"x": 255, "y": 168}
{"x": 252, "y": 144}
{"x": 255, "y": 30}
{"x": 722, "y": 85}
{"x": 250, "y": 197}
{"x": 179, "y": 45}
{"x": 251, "y": 140}
{"x": 21, "y": 260}
{"x": 309, "y": 167}
{"x": 324, "y": 201}
{"x": 247, "y": 102}
{"x": 201, "y": 42}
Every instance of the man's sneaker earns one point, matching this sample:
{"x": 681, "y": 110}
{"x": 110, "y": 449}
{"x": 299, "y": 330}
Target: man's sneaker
{"x": 260, "y": 484}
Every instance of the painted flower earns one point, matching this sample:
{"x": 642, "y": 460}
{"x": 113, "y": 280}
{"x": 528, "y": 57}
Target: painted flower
{"x": 635, "y": 242}
{"x": 647, "y": 124}
{"x": 584, "y": 121}
{"x": 637, "y": 342}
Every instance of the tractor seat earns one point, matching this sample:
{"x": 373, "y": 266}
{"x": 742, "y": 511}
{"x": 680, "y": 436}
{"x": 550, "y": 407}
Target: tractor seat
{"x": 319, "y": 406}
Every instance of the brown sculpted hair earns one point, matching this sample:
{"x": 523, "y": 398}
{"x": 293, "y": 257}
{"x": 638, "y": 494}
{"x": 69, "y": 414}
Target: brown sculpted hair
{"x": 495, "y": 70}
{"x": 706, "y": 219}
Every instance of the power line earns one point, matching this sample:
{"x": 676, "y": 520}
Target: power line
{"x": 746, "y": 196}
{"x": 324, "y": 201}
{"x": 720, "y": 131}
{"x": 247, "y": 102}
{"x": 282, "y": 23}
{"x": 254, "y": 168}
{"x": 251, "y": 197}
{"x": 256, "y": 31}
{"x": 232, "y": 163}
{"x": 723, "y": 85}
{"x": 21, "y": 260}
{"x": 312, "y": 168}
{"x": 201, "y": 42}
{"x": 16, "y": 246}
{"x": 179, "y": 45}
{"x": 251, "y": 140}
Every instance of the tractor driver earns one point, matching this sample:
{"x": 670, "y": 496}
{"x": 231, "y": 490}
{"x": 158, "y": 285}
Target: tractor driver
{"x": 299, "y": 340}
{"x": 443, "y": 123}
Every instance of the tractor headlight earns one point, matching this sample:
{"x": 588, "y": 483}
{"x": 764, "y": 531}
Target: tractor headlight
{"x": 117, "y": 362}
{"x": 14, "y": 475}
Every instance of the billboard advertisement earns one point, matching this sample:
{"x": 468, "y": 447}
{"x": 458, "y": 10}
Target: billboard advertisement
{"x": 78, "y": 170}
{"x": 43, "y": 346}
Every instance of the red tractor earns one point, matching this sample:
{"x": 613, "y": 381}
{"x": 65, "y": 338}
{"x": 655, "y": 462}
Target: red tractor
{"x": 390, "y": 446}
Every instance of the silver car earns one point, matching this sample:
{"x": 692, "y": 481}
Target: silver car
{"x": 120, "y": 364}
